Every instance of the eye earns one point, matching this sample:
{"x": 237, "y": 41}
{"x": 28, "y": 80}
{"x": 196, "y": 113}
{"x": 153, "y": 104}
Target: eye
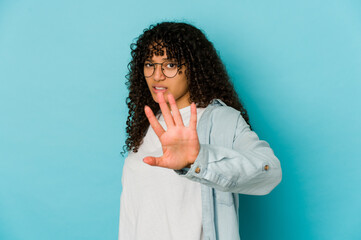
{"x": 171, "y": 65}
{"x": 148, "y": 65}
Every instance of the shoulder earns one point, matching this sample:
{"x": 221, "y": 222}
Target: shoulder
{"x": 218, "y": 124}
{"x": 221, "y": 118}
{"x": 220, "y": 112}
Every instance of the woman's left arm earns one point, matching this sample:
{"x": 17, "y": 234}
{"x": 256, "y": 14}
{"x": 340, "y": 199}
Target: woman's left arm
{"x": 250, "y": 167}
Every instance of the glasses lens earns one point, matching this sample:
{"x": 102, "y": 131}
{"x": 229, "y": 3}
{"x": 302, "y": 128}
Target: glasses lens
{"x": 148, "y": 69}
{"x": 170, "y": 69}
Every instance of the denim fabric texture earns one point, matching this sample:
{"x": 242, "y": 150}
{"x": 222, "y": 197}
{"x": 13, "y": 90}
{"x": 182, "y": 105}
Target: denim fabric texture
{"x": 232, "y": 160}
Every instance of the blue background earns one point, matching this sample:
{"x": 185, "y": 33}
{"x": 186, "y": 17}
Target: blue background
{"x": 295, "y": 64}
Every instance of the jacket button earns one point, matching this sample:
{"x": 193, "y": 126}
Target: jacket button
{"x": 266, "y": 167}
{"x": 198, "y": 170}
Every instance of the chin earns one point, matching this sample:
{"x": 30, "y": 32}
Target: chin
{"x": 154, "y": 98}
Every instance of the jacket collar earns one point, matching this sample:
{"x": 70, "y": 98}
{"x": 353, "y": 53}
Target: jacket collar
{"x": 217, "y": 101}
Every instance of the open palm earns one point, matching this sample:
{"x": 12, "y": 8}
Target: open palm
{"x": 180, "y": 144}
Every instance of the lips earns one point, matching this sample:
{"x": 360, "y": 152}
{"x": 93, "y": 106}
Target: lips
{"x": 159, "y": 89}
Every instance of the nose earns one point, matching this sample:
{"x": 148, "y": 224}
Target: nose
{"x": 158, "y": 73}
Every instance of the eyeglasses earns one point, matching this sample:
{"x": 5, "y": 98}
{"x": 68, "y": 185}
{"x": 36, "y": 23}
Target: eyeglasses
{"x": 169, "y": 68}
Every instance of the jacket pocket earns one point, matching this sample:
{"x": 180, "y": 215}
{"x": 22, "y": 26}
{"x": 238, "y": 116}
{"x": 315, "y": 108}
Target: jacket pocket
{"x": 225, "y": 198}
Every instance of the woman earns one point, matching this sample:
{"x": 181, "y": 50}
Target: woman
{"x": 191, "y": 149}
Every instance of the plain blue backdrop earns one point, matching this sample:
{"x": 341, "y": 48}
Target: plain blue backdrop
{"x": 295, "y": 64}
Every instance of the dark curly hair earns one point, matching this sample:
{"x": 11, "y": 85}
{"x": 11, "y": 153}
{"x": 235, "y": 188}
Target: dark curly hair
{"x": 206, "y": 75}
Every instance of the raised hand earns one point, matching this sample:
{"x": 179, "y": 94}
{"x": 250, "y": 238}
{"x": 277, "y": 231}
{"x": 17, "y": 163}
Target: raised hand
{"x": 180, "y": 144}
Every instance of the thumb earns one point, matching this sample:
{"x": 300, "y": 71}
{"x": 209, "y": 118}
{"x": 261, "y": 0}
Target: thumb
{"x": 153, "y": 161}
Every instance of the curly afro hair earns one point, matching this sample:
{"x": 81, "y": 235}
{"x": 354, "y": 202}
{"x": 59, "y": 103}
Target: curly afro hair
{"x": 206, "y": 75}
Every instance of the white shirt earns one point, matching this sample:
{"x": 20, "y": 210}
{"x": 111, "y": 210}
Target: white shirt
{"x": 157, "y": 203}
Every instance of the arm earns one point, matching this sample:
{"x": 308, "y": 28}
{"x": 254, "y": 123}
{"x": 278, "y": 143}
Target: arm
{"x": 250, "y": 167}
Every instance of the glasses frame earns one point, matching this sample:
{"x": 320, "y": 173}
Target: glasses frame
{"x": 179, "y": 66}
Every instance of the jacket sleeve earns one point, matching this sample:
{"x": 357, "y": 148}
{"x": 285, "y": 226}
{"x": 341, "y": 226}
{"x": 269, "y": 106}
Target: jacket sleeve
{"x": 249, "y": 167}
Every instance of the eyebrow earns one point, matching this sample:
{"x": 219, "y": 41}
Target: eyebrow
{"x": 171, "y": 59}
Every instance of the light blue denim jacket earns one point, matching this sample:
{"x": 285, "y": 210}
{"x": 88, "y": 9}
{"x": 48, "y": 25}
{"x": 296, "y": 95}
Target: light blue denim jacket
{"x": 231, "y": 160}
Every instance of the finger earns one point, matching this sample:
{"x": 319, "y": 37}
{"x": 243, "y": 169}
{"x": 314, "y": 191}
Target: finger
{"x": 154, "y": 161}
{"x": 158, "y": 129}
{"x": 150, "y": 161}
{"x": 165, "y": 110}
{"x": 193, "y": 119}
{"x": 175, "y": 111}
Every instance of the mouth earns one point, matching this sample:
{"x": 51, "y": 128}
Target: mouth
{"x": 157, "y": 89}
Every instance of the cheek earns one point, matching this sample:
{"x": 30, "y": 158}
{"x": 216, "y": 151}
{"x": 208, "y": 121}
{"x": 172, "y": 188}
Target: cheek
{"x": 185, "y": 85}
{"x": 182, "y": 82}
{"x": 148, "y": 84}
{"x": 149, "y": 88}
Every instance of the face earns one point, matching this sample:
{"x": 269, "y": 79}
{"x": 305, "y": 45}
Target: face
{"x": 158, "y": 82}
